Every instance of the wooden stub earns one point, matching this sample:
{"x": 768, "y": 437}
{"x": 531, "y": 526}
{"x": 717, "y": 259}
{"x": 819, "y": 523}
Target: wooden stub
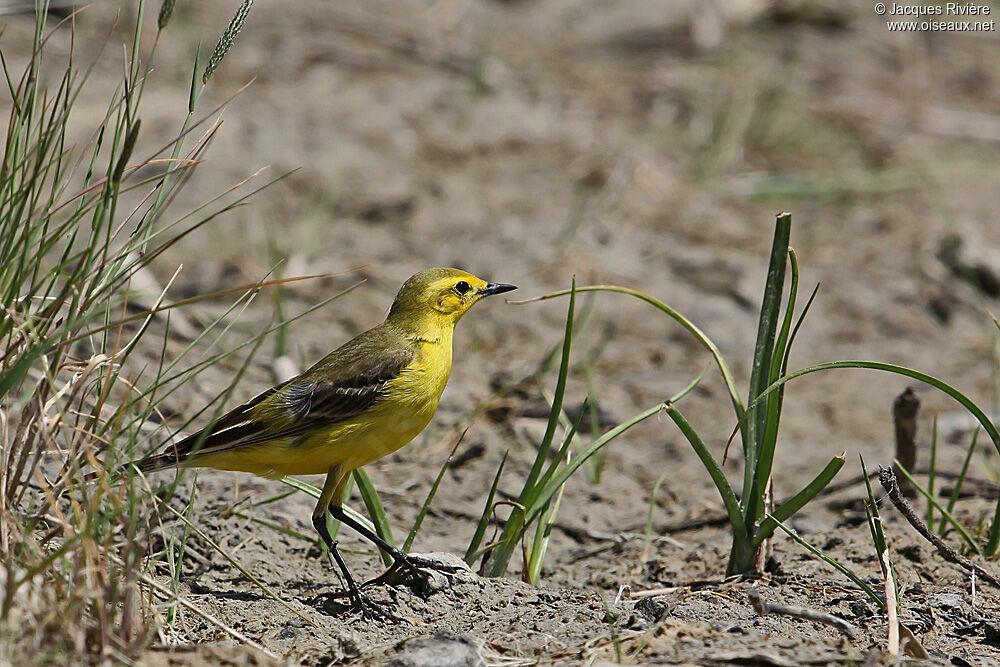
{"x": 904, "y": 416}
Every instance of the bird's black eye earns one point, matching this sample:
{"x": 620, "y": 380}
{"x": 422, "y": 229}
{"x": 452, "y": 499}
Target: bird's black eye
{"x": 462, "y": 287}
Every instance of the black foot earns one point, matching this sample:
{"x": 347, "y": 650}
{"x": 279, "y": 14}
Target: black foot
{"x": 368, "y": 607}
{"x": 358, "y": 602}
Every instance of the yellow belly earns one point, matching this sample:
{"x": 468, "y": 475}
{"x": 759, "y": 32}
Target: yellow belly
{"x": 407, "y": 407}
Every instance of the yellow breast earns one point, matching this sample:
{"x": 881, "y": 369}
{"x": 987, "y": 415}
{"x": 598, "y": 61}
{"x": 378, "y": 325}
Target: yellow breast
{"x": 409, "y": 403}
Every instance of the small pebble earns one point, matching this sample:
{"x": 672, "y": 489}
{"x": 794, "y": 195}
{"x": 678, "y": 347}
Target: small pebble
{"x": 946, "y": 600}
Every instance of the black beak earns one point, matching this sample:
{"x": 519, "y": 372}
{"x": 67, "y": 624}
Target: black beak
{"x": 496, "y": 288}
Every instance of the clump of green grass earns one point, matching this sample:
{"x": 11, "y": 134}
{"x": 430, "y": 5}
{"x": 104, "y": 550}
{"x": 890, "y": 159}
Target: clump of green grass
{"x": 758, "y": 420}
{"x": 759, "y": 424}
{"x": 78, "y": 224}
{"x": 537, "y": 504}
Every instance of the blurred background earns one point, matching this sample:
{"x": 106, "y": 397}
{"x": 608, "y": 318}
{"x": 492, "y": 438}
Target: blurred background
{"x": 637, "y": 142}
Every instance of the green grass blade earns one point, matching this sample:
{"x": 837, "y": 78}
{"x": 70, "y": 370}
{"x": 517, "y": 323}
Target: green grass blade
{"x": 961, "y": 478}
{"x": 932, "y": 473}
{"x": 430, "y": 495}
{"x": 788, "y": 508}
{"x": 699, "y": 335}
{"x": 729, "y": 499}
{"x": 798, "y": 325}
{"x": 833, "y": 563}
{"x": 874, "y": 520}
{"x": 557, "y": 398}
{"x": 193, "y": 91}
{"x": 484, "y": 520}
{"x": 755, "y": 502}
{"x": 275, "y": 498}
{"x": 540, "y": 545}
{"x": 557, "y": 460}
{"x": 879, "y": 542}
{"x": 945, "y": 514}
{"x": 596, "y": 466}
{"x": 376, "y": 510}
{"x": 513, "y": 530}
{"x": 770, "y": 313}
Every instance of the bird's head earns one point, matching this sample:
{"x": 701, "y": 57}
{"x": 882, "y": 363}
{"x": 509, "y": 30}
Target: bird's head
{"x": 441, "y": 294}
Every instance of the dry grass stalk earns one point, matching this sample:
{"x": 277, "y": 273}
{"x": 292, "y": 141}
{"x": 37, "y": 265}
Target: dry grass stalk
{"x": 890, "y": 604}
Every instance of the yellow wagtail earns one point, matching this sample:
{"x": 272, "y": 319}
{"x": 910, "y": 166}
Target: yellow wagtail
{"x": 364, "y": 400}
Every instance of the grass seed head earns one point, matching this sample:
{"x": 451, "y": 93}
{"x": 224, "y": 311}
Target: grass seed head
{"x": 166, "y": 9}
{"x": 227, "y": 39}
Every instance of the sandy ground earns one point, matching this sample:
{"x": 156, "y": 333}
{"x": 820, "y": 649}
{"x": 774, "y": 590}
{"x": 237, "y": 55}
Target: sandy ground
{"x": 640, "y": 143}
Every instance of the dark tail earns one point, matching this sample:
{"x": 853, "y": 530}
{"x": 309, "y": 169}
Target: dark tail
{"x": 172, "y": 457}
{"x": 161, "y": 461}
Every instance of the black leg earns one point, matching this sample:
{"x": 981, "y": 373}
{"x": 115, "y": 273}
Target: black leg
{"x": 399, "y": 559}
{"x": 368, "y": 607}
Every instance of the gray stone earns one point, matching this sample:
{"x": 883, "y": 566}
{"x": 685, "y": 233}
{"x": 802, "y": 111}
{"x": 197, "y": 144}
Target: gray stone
{"x": 444, "y": 649}
{"x": 946, "y": 600}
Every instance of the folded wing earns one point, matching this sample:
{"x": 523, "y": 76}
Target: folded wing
{"x": 343, "y": 385}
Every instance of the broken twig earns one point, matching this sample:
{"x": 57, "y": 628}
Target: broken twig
{"x": 887, "y": 478}
{"x": 762, "y": 608}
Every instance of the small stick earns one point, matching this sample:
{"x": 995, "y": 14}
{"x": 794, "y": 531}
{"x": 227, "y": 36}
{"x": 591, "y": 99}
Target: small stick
{"x": 887, "y": 478}
{"x": 904, "y": 417}
{"x": 762, "y": 608}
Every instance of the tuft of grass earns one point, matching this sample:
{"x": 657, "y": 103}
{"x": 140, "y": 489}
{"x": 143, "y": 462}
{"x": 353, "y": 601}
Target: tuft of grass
{"x": 513, "y": 532}
{"x": 543, "y": 487}
{"x": 380, "y": 520}
{"x": 80, "y": 389}
{"x": 758, "y": 423}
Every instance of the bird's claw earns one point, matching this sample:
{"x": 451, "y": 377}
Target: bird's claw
{"x": 370, "y": 609}
{"x": 367, "y": 607}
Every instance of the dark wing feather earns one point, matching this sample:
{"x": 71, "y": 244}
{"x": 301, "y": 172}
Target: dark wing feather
{"x": 330, "y": 392}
